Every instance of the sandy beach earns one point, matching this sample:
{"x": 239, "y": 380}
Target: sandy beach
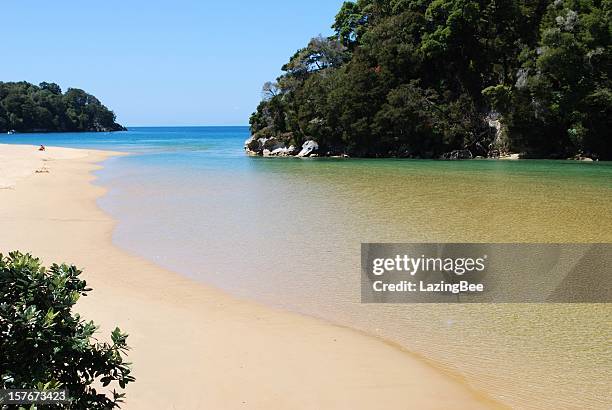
{"x": 194, "y": 346}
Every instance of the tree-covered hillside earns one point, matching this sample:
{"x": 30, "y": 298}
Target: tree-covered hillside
{"x": 25, "y": 107}
{"x": 418, "y": 78}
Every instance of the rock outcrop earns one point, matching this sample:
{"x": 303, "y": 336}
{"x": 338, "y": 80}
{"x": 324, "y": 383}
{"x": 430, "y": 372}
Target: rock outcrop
{"x": 499, "y": 145}
{"x": 280, "y": 152}
{"x": 457, "y": 154}
{"x": 309, "y": 149}
{"x": 272, "y": 147}
{"x": 253, "y": 146}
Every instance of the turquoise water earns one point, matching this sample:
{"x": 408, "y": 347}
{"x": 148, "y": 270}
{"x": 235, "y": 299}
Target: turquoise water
{"x": 287, "y": 232}
{"x": 223, "y": 142}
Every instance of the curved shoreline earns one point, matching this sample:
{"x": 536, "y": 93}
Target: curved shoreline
{"x": 193, "y": 345}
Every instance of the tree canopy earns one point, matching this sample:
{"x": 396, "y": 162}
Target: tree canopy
{"x": 25, "y": 107}
{"x": 418, "y": 78}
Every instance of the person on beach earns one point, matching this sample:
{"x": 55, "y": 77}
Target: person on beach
{"x": 42, "y": 148}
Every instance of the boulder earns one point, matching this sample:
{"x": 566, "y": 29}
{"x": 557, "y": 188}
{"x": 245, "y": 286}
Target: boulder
{"x": 272, "y": 144}
{"x": 580, "y": 157}
{"x": 272, "y": 147}
{"x": 309, "y": 148}
{"x": 284, "y": 152}
{"x": 268, "y": 147}
{"x": 457, "y": 154}
{"x": 280, "y": 152}
{"x": 253, "y": 146}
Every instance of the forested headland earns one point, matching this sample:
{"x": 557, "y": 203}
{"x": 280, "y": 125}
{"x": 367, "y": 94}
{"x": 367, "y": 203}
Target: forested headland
{"x": 25, "y": 107}
{"x": 422, "y": 78}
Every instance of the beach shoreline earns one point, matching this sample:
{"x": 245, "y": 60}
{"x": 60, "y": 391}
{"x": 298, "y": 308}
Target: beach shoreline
{"x": 194, "y": 346}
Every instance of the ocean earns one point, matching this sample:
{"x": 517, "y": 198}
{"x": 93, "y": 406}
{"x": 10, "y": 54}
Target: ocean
{"x": 287, "y": 232}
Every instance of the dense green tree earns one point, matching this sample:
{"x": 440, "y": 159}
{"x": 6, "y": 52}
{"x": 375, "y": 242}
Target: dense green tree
{"x": 422, "y": 77}
{"x": 560, "y": 103}
{"x": 350, "y": 24}
{"x": 25, "y": 107}
{"x": 45, "y": 345}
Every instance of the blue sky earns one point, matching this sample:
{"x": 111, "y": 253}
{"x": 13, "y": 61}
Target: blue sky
{"x": 180, "y": 62}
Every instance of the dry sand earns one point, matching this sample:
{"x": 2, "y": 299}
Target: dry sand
{"x": 194, "y": 346}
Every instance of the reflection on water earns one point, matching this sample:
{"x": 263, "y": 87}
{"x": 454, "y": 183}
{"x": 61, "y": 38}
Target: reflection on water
{"x": 288, "y": 232}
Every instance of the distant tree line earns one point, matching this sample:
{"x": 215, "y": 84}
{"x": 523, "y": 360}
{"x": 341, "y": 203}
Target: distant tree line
{"x": 25, "y": 107}
{"x": 418, "y": 78}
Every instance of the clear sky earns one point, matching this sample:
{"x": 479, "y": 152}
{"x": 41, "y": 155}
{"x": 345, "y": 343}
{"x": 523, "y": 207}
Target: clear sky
{"x": 179, "y": 62}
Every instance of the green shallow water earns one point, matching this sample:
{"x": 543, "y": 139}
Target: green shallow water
{"x": 287, "y": 232}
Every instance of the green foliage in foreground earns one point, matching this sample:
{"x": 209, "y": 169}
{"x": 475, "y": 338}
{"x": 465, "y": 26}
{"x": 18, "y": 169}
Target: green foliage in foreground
{"x": 43, "y": 344}
{"x": 25, "y": 107}
{"x": 418, "y": 78}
